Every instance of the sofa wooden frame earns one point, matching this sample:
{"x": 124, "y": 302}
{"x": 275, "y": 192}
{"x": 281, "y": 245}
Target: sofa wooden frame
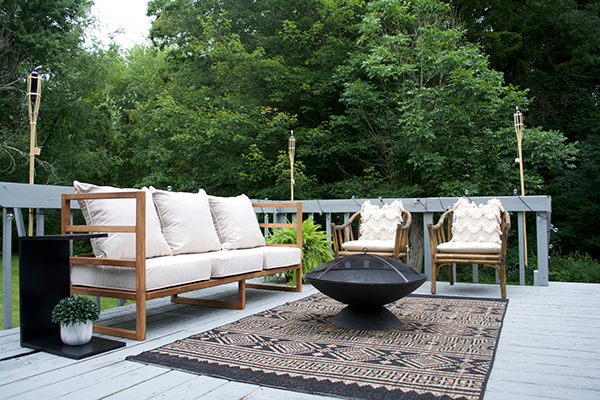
{"x": 141, "y": 295}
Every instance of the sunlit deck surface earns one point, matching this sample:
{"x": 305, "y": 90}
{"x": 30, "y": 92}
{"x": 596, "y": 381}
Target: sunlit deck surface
{"x": 549, "y": 349}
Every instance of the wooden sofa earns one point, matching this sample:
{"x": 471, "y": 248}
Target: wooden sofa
{"x": 140, "y": 294}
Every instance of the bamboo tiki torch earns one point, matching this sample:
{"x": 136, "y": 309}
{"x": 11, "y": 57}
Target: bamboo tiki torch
{"x": 292, "y": 152}
{"x": 34, "y": 90}
{"x": 519, "y": 130}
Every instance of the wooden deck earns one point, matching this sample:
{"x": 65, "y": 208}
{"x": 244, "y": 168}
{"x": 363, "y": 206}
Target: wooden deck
{"x": 549, "y": 349}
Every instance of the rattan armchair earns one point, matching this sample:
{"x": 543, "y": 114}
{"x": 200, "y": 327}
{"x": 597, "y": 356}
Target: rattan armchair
{"x": 441, "y": 233}
{"x": 344, "y": 243}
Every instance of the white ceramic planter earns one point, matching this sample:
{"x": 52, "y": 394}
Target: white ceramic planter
{"x": 76, "y": 334}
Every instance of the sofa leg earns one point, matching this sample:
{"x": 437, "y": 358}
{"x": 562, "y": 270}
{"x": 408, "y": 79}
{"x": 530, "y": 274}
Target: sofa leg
{"x": 239, "y": 305}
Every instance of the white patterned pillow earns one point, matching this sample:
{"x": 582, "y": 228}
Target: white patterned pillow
{"x": 380, "y": 223}
{"x": 121, "y": 212}
{"x": 472, "y": 223}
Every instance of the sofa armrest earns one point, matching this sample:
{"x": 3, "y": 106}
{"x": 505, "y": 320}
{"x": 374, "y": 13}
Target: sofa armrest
{"x": 297, "y": 225}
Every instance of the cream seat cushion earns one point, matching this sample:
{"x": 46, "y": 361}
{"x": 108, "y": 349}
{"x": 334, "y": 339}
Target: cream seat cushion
{"x": 275, "y": 256}
{"x": 236, "y": 223}
{"x": 475, "y": 229}
{"x": 186, "y": 221}
{"x": 469, "y": 247}
{"x": 380, "y": 223}
{"x": 161, "y": 272}
{"x": 234, "y": 262}
{"x": 121, "y": 212}
{"x": 370, "y": 245}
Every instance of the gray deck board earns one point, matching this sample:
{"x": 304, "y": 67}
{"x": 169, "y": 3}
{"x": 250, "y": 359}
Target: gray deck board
{"x": 549, "y": 349}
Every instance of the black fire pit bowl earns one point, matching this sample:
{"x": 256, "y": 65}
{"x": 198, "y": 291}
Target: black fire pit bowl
{"x": 366, "y": 283}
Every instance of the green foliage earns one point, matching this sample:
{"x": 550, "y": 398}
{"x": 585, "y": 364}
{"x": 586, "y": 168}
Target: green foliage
{"x": 386, "y": 98}
{"x": 316, "y": 248}
{"x": 576, "y": 205}
{"x": 14, "y": 290}
{"x": 551, "y": 47}
{"x": 574, "y": 267}
{"x": 75, "y": 310}
{"x": 427, "y": 108}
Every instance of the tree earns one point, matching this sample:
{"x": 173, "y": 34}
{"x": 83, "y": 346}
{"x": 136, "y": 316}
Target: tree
{"x": 34, "y": 33}
{"x": 428, "y": 111}
{"x": 552, "y": 48}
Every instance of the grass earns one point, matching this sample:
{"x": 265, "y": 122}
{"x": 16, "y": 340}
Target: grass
{"x": 105, "y": 302}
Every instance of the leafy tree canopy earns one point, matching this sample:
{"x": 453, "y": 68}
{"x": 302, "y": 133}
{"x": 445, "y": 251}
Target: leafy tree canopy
{"x": 385, "y": 98}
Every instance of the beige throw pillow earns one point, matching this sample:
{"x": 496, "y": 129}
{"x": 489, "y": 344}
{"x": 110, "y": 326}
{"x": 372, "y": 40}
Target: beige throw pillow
{"x": 472, "y": 223}
{"x": 121, "y": 212}
{"x": 380, "y": 223}
{"x": 186, "y": 221}
{"x": 236, "y": 222}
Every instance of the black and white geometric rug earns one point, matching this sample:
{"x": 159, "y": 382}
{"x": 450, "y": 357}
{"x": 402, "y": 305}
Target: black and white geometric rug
{"x": 444, "y": 349}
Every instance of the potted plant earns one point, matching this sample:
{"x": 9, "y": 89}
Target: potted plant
{"x": 76, "y": 315}
{"x": 316, "y": 247}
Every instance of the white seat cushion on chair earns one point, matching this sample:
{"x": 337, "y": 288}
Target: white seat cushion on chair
{"x": 121, "y": 212}
{"x": 370, "y": 245}
{"x": 469, "y": 247}
{"x": 380, "y": 223}
{"x": 236, "y": 222}
{"x": 475, "y": 229}
{"x": 186, "y": 221}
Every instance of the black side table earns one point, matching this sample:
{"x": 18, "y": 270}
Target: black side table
{"x": 44, "y": 280}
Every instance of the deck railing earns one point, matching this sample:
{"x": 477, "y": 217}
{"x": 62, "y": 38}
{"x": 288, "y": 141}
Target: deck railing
{"x": 14, "y": 197}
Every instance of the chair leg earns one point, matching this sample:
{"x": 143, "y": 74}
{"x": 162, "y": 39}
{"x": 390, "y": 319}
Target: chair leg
{"x": 434, "y": 272}
{"x": 503, "y": 280}
{"x": 451, "y": 270}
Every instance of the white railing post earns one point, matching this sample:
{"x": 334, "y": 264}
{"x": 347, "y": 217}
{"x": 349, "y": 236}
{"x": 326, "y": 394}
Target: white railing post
{"x": 542, "y": 248}
{"x": 521, "y": 235}
{"x": 39, "y": 222}
{"x": 7, "y": 267}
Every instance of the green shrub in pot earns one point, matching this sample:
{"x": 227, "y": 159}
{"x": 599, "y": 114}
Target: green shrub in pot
{"x": 75, "y": 314}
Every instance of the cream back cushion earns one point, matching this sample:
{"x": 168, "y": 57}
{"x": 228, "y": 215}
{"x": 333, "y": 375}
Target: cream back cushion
{"x": 186, "y": 221}
{"x": 236, "y": 222}
{"x": 121, "y": 212}
{"x": 380, "y": 223}
{"x": 472, "y": 223}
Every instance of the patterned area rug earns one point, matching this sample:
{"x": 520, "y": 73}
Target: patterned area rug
{"x": 444, "y": 349}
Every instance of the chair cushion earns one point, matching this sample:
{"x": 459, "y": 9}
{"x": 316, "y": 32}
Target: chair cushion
{"x": 234, "y": 262}
{"x": 370, "y": 245}
{"x": 472, "y": 223}
{"x": 275, "y": 256}
{"x": 161, "y": 272}
{"x": 121, "y": 212}
{"x": 236, "y": 222}
{"x": 469, "y": 247}
{"x": 186, "y": 221}
{"x": 380, "y": 223}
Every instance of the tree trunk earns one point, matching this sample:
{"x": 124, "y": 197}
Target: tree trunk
{"x": 415, "y": 241}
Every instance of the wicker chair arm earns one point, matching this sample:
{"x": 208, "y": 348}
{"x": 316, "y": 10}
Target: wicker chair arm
{"x": 440, "y": 222}
{"x": 347, "y": 224}
{"x": 407, "y": 220}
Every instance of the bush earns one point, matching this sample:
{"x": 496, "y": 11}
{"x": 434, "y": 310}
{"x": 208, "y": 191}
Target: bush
{"x": 574, "y": 267}
{"x": 316, "y": 247}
